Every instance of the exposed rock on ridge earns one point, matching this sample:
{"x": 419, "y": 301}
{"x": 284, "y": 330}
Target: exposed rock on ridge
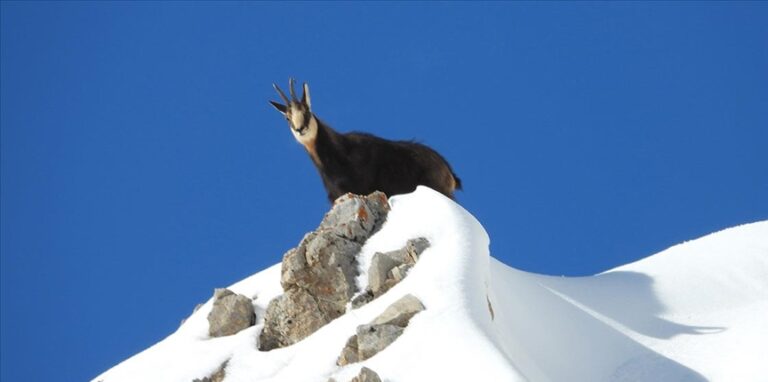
{"x": 389, "y": 268}
{"x": 318, "y": 276}
{"x": 366, "y": 375}
{"x": 375, "y": 336}
{"x": 230, "y": 314}
{"x": 217, "y": 376}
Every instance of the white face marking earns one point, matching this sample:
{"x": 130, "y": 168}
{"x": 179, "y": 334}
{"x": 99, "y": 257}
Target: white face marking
{"x": 296, "y": 116}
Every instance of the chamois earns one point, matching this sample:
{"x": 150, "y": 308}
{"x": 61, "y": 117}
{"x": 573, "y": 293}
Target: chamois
{"x": 362, "y": 163}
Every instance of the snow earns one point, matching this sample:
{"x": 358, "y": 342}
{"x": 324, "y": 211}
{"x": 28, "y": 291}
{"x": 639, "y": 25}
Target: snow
{"x": 697, "y": 311}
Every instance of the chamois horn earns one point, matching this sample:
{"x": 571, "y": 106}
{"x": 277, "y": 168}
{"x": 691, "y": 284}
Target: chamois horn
{"x": 305, "y": 98}
{"x": 282, "y": 95}
{"x": 290, "y": 88}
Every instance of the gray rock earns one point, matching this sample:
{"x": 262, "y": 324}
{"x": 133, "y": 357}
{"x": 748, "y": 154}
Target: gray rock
{"x": 217, "y": 376}
{"x": 381, "y": 332}
{"x": 356, "y": 217}
{"x": 366, "y": 375}
{"x": 388, "y": 269}
{"x": 398, "y": 273}
{"x": 350, "y": 352}
{"x": 400, "y": 312}
{"x": 371, "y": 339}
{"x": 318, "y": 276}
{"x": 230, "y": 314}
{"x": 289, "y": 319}
{"x": 415, "y": 247}
{"x": 362, "y": 299}
{"x": 325, "y": 266}
{"x": 319, "y": 279}
{"x": 490, "y": 308}
{"x": 381, "y": 264}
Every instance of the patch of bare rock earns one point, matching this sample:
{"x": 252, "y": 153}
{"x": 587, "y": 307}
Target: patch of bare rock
{"x": 389, "y": 268}
{"x": 318, "y": 276}
{"x": 318, "y": 281}
{"x": 230, "y": 314}
{"x": 365, "y": 375}
{"x": 375, "y": 336}
{"x": 217, "y": 376}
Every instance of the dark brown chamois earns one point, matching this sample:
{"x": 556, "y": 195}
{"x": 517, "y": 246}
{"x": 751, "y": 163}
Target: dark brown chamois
{"x": 362, "y": 163}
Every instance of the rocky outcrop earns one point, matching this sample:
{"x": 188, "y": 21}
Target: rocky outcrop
{"x": 230, "y": 314}
{"x": 366, "y": 375}
{"x": 400, "y": 312}
{"x": 217, "y": 376}
{"x": 389, "y": 268}
{"x": 318, "y": 276}
{"x": 372, "y": 339}
{"x": 375, "y": 336}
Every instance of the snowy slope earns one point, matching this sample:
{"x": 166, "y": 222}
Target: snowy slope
{"x": 697, "y": 311}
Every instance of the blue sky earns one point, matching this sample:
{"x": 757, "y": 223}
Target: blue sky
{"x": 142, "y": 166}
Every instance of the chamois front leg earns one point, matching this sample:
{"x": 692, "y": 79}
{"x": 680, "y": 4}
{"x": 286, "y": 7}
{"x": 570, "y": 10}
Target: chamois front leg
{"x": 339, "y": 186}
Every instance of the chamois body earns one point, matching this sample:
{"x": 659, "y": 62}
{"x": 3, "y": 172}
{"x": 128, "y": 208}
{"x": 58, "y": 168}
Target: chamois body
{"x": 362, "y": 163}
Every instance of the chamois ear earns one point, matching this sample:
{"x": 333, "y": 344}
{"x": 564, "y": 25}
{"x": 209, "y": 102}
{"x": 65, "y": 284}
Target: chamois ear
{"x": 279, "y": 107}
{"x": 305, "y": 98}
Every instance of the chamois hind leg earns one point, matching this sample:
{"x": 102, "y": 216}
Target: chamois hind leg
{"x": 441, "y": 178}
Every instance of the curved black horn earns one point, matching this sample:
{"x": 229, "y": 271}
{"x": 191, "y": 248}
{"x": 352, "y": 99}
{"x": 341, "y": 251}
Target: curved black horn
{"x": 293, "y": 93}
{"x": 282, "y": 95}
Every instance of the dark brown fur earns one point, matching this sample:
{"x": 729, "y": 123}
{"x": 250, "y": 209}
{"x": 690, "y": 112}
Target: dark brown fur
{"x": 362, "y": 163}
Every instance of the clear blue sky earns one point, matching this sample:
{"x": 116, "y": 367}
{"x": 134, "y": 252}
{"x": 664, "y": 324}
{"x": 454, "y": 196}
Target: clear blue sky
{"x": 142, "y": 166}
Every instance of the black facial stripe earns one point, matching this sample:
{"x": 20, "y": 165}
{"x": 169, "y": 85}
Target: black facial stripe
{"x": 307, "y": 115}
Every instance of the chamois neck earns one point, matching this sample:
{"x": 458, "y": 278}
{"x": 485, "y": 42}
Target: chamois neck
{"x": 327, "y": 146}
{"x": 319, "y": 135}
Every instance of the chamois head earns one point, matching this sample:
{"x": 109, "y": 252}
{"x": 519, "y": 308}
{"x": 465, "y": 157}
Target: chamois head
{"x": 298, "y": 113}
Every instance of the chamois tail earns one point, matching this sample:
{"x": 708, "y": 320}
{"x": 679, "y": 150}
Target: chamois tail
{"x": 456, "y": 182}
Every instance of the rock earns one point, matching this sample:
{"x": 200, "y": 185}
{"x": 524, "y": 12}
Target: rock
{"x": 372, "y": 339}
{"x": 230, "y": 314}
{"x": 318, "y": 276}
{"x": 349, "y": 353}
{"x": 398, "y": 273}
{"x": 490, "y": 308}
{"x": 289, "y": 319}
{"x": 415, "y": 247}
{"x": 366, "y": 375}
{"x": 381, "y": 264}
{"x": 324, "y": 265}
{"x": 356, "y": 217}
{"x": 217, "y": 376}
{"x": 362, "y": 299}
{"x": 400, "y": 312}
{"x": 388, "y": 269}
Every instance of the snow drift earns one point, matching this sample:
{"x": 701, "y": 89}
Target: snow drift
{"x": 697, "y": 311}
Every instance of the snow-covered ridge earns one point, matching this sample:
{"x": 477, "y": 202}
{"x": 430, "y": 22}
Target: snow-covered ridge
{"x": 693, "y": 312}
